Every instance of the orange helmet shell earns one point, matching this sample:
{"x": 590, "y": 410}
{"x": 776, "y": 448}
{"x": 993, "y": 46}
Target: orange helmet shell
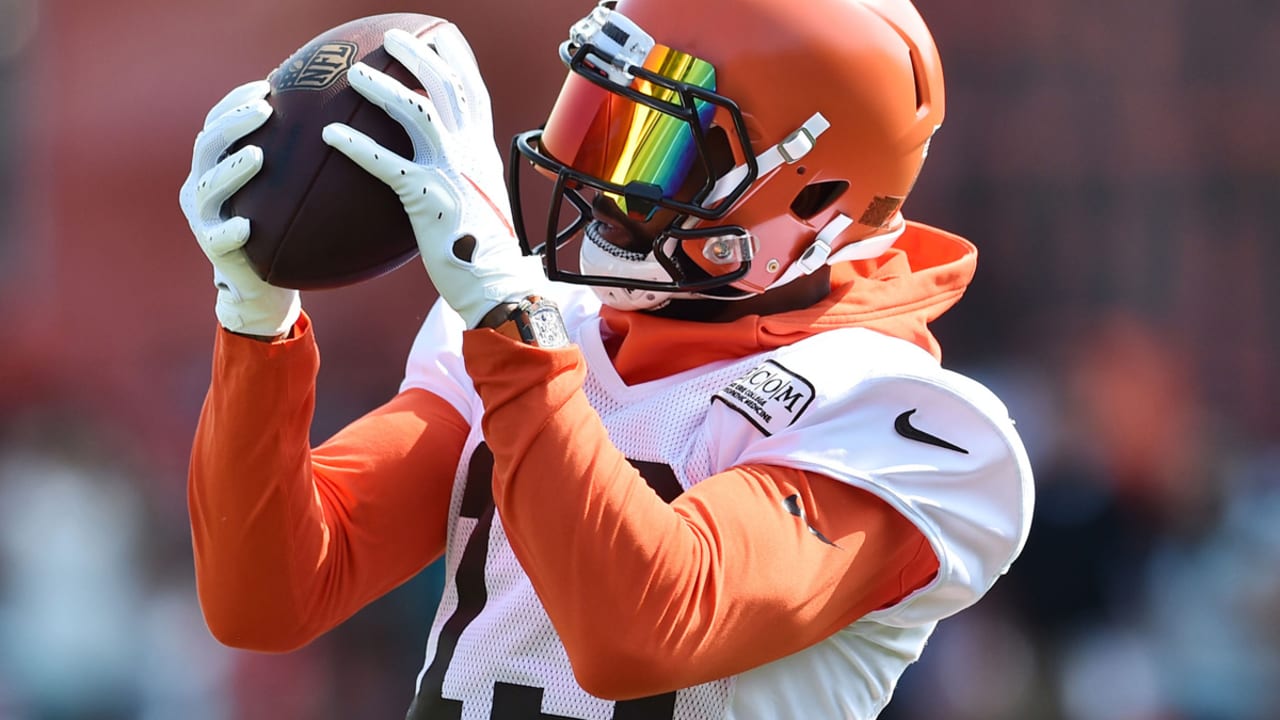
{"x": 870, "y": 67}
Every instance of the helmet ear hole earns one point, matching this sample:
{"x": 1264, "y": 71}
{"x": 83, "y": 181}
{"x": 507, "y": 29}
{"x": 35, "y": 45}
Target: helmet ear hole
{"x": 917, "y": 73}
{"x": 816, "y": 197}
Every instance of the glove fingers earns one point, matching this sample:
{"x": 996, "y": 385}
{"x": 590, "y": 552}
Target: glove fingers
{"x": 225, "y": 178}
{"x": 225, "y": 237}
{"x": 236, "y": 123}
{"x": 453, "y": 48}
{"x": 378, "y": 161}
{"x": 417, "y": 114}
{"x": 440, "y": 81}
{"x": 243, "y": 95}
{"x": 212, "y": 143}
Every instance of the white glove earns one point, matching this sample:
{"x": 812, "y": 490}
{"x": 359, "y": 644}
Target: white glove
{"x": 246, "y": 304}
{"x": 453, "y": 188}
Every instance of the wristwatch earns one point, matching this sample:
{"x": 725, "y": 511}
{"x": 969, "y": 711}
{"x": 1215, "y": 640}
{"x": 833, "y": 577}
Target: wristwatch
{"x": 536, "y": 321}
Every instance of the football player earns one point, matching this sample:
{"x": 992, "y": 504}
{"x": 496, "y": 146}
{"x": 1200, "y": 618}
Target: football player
{"x": 684, "y": 441}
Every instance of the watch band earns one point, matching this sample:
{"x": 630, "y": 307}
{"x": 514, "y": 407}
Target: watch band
{"x": 536, "y": 321}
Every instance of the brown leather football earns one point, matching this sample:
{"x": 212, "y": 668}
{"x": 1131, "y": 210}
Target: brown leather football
{"x": 317, "y": 220}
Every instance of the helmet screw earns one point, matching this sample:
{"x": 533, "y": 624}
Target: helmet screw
{"x": 773, "y": 266}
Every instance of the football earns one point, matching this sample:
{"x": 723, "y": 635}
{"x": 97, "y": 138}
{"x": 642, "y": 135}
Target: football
{"x": 317, "y": 220}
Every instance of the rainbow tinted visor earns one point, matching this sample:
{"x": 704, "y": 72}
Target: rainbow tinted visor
{"x": 646, "y": 145}
{"x": 632, "y": 122}
{"x": 634, "y": 115}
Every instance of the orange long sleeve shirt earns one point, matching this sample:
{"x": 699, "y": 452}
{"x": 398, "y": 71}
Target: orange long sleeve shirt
{"x": 290, "y": 540}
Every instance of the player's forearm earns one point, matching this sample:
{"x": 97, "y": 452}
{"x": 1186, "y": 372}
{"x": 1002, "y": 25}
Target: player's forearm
{"x": 290, "y": 541}
{"x": 650, "y": 597}
{"x": 252, "y": 504}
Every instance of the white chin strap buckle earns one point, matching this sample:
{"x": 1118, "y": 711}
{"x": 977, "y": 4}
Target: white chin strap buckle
{"x": 789, "y": 151}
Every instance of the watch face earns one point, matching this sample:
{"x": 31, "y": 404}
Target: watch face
{"x": 548, "y": 328}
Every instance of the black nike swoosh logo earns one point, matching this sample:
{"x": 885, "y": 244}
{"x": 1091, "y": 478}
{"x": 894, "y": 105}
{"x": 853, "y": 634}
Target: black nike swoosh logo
{"x": 792, "y": 504}
{"x": 904, "y": 427}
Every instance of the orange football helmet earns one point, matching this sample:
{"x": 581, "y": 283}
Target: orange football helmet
{"x": 752, "y": 140}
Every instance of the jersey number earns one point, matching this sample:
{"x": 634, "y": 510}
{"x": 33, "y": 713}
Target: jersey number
{"x": 511, "y": 702}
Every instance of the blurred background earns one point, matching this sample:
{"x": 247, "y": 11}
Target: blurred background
{"x": 1116, "y": 163}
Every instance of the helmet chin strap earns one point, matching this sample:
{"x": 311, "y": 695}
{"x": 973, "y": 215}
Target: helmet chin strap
{"x": 791, "y": 149}
{"x": 819, "y": 252}
{"x": 599, "y": 257}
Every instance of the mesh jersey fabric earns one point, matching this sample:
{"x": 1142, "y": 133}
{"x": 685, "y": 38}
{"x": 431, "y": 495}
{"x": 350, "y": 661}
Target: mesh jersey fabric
{"x": 693, "y": 423}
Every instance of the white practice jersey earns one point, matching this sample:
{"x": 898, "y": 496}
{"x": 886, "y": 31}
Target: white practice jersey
{"x": 873, "y": 411}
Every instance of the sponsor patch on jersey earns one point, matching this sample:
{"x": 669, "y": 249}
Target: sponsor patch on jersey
{"x": 769, "y": 395}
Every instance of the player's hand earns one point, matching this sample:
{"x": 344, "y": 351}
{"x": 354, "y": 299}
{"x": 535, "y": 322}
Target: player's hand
{"x": 453, "y": 187}
{"x": 246, "y": 304}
